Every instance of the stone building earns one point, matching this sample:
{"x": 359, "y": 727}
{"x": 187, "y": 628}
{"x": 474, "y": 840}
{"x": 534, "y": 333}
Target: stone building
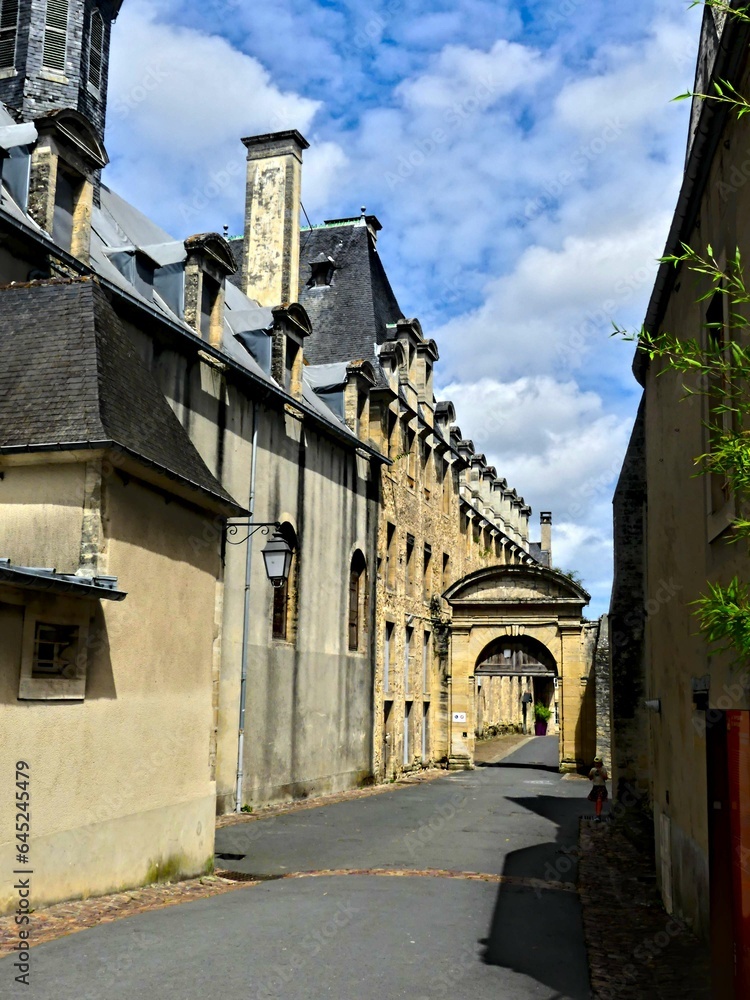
{"x": 681, "y": 713}
{"x": 165, "y": 401}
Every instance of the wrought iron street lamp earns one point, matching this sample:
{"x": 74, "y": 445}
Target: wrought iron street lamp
{"x": 277, "y": 553}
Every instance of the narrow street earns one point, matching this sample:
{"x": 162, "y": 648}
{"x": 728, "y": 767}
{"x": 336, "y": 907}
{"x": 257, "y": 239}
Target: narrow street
{"x": 456, "y": 887}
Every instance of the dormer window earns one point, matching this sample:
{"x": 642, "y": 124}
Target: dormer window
{"x": 61, "y": 193}
{"x": 137, "y": 267}
{"x": 209, "y": 299}
{"x": 56, "y": 35}
{"x": 321, "y": 269}
{"x": 96, "y": 53}
{"x": 209, "y": 262}
{"x": 8, "y": 33}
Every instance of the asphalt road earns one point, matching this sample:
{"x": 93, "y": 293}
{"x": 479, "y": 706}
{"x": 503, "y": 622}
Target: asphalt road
{"x": 365, "y": 936}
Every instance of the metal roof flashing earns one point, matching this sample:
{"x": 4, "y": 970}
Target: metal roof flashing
{"x": 44, "y": 579}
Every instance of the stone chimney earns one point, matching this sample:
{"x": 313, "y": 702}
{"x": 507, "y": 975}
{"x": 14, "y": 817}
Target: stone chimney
{"x": 546, "y": 519}
{"x": 270, "y": 262}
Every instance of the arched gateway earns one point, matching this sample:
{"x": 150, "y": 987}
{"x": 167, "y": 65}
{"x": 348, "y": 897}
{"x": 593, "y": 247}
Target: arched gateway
{"x": 525, "y": 622}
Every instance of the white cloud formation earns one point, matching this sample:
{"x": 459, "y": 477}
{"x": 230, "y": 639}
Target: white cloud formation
{"x": 180, "y": 102}
{"x": 525, "y": 172}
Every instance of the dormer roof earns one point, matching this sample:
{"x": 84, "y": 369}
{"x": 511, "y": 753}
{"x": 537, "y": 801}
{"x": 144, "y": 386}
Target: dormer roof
{"x": 73, "y": 129}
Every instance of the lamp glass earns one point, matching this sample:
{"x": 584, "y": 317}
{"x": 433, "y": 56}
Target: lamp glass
{"x": 277, "y": 556}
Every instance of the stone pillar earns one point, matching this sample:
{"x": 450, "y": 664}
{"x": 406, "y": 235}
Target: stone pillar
{"x": 572, "y": 691}
{"x": 461, "y": 721}
{"x": 43, "y": 187}
{"x": 80, "y": 245}
{"x": 270, "y": 265}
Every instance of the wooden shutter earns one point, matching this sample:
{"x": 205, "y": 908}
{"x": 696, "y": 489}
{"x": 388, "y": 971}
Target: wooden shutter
{"x": 8, "y": 32}
{"x": 56, "y": 35}
{"x": 96, "y": 50}
{"x": 280, "y": 602}
{"x": 354, "y": 609}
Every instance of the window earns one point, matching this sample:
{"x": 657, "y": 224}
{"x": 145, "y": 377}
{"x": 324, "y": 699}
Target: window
{"x": 8, "y": 32}
{"x": 284, "y": 612}
{"x": 446, "y": 570}
{"x": 209, "y": 297}
{"x": 426, "y": 661}
{"x": 56, "y": 35}
{"x": 357, "y": 601}
{"x": 425, "y": 731}
{"x": 427, "y": 573}
{"x": 407, "y": 655}
{"x": 280, "y": 610}
{"x": 96, "y": 51}
{"x": 391, "y": 559}
{"x": 55, "y": 648}
{"x": 410, "y": 564}
{"x": 425, "y": 453}
{"x": 388, "y": 649}
{"x": 408, "y": 446}
{"x": 407, "y": 728}
{"x": 446, "y": 484}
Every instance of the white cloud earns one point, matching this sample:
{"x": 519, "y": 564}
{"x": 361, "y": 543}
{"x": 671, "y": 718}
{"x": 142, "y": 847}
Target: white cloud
{"x": 180, "y": 102}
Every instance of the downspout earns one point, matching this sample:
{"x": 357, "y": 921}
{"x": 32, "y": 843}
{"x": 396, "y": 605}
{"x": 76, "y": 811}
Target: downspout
{"x": 246, "y": 619}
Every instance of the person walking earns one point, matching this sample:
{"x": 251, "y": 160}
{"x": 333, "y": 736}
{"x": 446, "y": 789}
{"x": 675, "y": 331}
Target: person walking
{"x": 598, "y": 794}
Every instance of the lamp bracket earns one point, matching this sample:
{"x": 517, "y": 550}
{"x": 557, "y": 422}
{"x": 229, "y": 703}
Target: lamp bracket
{"x": 264, "y": 527}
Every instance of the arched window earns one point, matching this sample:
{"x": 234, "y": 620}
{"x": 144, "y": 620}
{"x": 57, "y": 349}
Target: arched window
{"x": 56, "y": 35}
{"x": 96, "y": 50}
{"x": 8, "y": 32}
{"x": 284, "y": 616}
{"x": 358, "y": 603}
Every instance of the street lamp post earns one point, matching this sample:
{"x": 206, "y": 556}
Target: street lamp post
{"x": 277, "y": 558}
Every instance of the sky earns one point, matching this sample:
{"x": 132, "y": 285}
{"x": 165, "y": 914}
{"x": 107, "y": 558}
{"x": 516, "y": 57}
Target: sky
{"x": 523, "y": 158}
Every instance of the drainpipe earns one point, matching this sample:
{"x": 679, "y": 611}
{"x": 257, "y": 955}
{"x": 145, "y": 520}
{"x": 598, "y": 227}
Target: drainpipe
{"x": 246, "y": 618}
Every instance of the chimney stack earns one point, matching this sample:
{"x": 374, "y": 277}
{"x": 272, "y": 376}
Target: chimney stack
{"x": 270, "y": 261}
{"x": 546, "y": 519}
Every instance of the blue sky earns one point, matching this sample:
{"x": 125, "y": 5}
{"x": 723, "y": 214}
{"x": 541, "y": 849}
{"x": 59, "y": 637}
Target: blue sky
{"x": 524, "y": 160}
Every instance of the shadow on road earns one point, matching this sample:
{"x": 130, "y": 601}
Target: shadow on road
{"x": 553, "y": 768}
{"x": 539, "y": 932}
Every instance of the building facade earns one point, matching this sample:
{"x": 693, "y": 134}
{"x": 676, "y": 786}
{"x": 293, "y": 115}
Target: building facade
{"x": 681, "y": 711}
{"x": 167, "y": 400}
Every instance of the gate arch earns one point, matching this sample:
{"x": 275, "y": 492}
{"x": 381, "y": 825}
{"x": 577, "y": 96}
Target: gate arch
{"x": 528, "y": 607}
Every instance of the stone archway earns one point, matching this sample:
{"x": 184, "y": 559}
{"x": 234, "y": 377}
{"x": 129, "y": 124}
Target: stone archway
{"x": 531, "y": 606}
{"x": 513, "y": 674}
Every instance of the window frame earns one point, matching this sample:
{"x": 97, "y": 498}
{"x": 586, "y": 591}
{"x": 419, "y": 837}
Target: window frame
{"x": 9, "y": 33}
{"x": 56, "y": 612}
{"x": 55, "y": 31}
{"x": 96, "y": 88}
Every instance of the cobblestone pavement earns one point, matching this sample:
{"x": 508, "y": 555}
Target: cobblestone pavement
{"x": 636, "y": 950}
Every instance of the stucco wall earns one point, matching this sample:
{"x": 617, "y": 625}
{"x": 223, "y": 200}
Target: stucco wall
{"x": 120, "y": 782}
{"x": 683, "y": 553}
{"x": 309, "y": 702}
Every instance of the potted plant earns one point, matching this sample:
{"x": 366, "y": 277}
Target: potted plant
{"x": 542, "y": 714}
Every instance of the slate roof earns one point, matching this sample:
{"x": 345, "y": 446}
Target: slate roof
{"x": 349, "y": 316}
{"x": 69, "y": 376}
